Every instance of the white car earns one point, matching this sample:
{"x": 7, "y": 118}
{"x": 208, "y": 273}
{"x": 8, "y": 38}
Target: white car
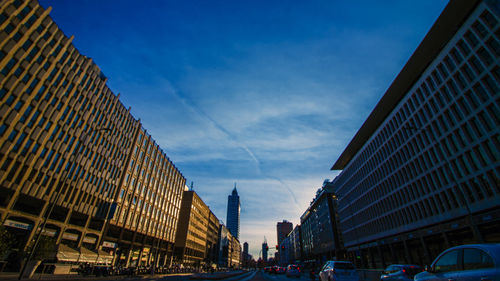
{"x": 338, "y": 271}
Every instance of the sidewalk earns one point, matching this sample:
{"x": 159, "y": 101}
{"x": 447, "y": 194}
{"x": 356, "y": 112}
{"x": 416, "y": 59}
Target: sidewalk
{"x": 12, "y": 276}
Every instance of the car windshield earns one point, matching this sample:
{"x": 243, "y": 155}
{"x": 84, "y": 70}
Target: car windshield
{"x": 343, "y": 265}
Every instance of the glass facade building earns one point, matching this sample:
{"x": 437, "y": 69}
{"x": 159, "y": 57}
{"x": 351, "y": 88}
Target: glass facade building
{"x": 423, "y": 172}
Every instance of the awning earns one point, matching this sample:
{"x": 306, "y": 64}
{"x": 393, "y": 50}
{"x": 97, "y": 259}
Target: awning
{"x": 66, "y": 253}
{"x": 87, "y": 255}
{"x": 104, "y": 258}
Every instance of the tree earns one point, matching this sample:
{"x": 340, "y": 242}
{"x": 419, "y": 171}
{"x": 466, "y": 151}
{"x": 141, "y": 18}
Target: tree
{"x": 45, "y": 249}
{"x": 6, "y": 242}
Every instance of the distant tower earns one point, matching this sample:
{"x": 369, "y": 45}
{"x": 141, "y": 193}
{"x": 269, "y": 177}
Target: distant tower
{"x": 233, "y": 213}
{"x": 265, "y": 248}
{"x": 245, "y": 252}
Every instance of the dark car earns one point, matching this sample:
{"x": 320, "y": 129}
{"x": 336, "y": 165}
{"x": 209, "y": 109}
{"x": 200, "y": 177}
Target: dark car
{"x": 466, "y": 262}
{"x": 404, "y": 272}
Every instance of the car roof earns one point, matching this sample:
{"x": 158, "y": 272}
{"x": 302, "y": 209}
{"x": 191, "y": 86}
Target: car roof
{"x": 491, "y": 248}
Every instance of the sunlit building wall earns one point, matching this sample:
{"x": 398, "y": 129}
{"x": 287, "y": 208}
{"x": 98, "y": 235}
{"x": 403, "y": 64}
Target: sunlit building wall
{"x": 191, "y": 236}
{"x": 143, "y": 222}
{"x": 423, "y": 172}
{"x": 65, "y": 137}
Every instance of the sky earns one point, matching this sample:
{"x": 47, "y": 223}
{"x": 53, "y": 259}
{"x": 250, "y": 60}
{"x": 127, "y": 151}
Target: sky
{"x": 262, "y": 94}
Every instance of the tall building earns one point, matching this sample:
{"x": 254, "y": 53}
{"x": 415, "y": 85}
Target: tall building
{"x": 66, "y": 142}
{"x": 245, "y": 255}
{"x": 265, "y": 249}
{"x": 233, "y": 213}
{"x": 191, "y": 236}
{"x": 321, "y": 238}
{"x": 282, "y": 230}
{"x": 423, "y": 171}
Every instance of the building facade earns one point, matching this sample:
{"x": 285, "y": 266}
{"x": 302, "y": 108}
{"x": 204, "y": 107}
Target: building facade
{"x": 320, "y": 236}
{"x": 265, "y": 249}
{"x": 423, "y": 172}
{"x": 144, "y": 217}
{"x": 191, "y": 237}
{"x": 233, "y": 213}
{"x": 229, "y": 249}
{"x": 65, "y": 145}
{"x": 282, "y": 230}
{"x": 212, "y": 252}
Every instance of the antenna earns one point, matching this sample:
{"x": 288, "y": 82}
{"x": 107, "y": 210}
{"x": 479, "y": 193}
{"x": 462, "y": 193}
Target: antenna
{"x": 192, "y": 186}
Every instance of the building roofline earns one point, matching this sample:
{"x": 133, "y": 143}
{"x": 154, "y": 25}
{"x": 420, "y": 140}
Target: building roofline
{"x": 445, "y": 27}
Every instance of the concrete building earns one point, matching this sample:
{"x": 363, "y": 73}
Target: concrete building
{"x": 143, "y": 219}
{"x": 191, "y": 236}
{"x": 65, "y": 147}
{"x": 321, "y": 238}
{"x": 423, "y": 172}
{"x": 233, "y": 213}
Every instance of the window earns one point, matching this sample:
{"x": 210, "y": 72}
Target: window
{"x": 477, "y": 259}
{"x": 447, "y": 262}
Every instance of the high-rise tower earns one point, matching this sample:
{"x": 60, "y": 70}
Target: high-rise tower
{"x": 233, "y": 213}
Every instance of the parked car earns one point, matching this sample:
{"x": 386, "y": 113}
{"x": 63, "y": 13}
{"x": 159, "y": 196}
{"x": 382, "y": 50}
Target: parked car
{"x": 404, "y": 272}
{"x": 338, "y": 271}
{"x": 466, "y": 262}
{"x": 293, "y": 270}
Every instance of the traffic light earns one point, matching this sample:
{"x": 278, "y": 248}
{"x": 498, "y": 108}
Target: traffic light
{"x": 282, "y": 247}
{"x": 267, "y": 248}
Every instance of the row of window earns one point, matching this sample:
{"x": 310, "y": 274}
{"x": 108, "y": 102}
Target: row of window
{"x": 436, "y": 151}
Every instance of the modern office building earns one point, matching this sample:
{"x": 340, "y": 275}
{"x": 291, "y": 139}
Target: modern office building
{"x": 233, "y": 213}
{"x": 144, "y": 216}
{"x": 65, "y": 145}
{"x": 296, "y": 245}
{"x": 282, "y": 230}
{"x": 423, "y": 172}
{"x": 191, "y": 236}
{"x": 265, "y": 249}
{"x": 229, "y": 249}
{"x": 321, "y": 238}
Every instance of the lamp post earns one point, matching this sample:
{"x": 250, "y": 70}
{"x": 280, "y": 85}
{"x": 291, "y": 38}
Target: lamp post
{"x": 464, "y": 200}
{"x": 81, "y": 139}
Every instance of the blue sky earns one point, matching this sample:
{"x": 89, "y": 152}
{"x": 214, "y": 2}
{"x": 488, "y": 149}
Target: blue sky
{"x": 266, "y": 94}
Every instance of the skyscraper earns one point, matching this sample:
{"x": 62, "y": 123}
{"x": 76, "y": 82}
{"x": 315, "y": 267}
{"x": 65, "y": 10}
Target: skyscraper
{"x": 233, "y": 213}
{"x": 265, "y": 248}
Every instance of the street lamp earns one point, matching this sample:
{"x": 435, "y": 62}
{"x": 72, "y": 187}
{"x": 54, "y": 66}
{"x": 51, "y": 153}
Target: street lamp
{"x": 464, "y": 200}
{"x": 81, "y": 139}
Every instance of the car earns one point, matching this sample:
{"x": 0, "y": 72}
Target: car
{"x": 400, "y": 272}
{"x": 280, "y": 270}
{"x": 465, "y": 262}
{"x": 273, "y": 269}
{"x": 338, "y": 271}
{"x": 293, "y": 270}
